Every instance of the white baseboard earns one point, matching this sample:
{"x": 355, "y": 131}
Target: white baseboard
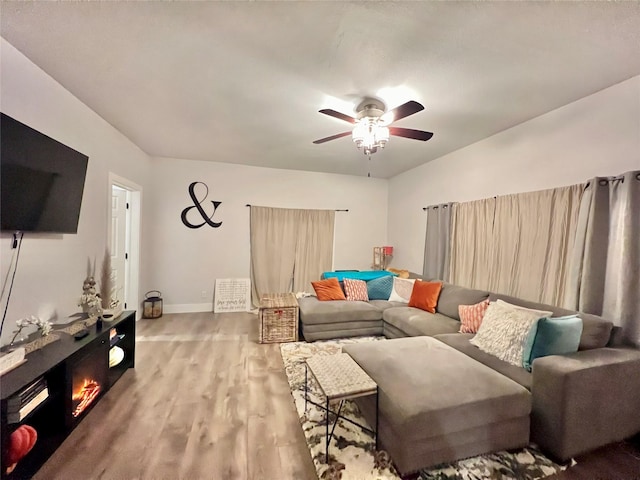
{"x": 188, "y": 308}
{"x": 194, "y": 308}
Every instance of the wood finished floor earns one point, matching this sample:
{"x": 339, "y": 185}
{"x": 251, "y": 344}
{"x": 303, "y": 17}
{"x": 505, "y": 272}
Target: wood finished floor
{"x": 207, "y": 401}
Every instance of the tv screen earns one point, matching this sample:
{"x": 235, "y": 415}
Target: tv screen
{"x": 41, "y": 181}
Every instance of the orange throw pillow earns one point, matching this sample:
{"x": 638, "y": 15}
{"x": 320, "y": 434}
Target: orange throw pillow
{"x": 328, "y": 289}
{"x": 425, "y": 295}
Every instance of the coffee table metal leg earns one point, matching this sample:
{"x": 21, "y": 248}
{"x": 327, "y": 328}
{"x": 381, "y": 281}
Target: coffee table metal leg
{"x": 306, "y": 387}
{"x": 377, "y": 413}
{"x": 326, "y": 443}
{"x": 335, "y": 423}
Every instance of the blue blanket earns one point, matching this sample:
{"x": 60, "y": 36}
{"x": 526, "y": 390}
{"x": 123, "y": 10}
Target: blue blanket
{"x": 364, "y": 275}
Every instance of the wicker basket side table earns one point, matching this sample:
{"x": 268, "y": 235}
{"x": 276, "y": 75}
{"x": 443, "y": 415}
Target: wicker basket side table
{"x": 278, "y": 314}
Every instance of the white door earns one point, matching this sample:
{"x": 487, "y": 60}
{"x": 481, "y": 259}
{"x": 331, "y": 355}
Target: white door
{"x": 118, "y": 244}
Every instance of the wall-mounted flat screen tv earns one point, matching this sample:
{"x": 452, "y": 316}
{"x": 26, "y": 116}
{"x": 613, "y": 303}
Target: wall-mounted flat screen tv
{"x": 41, "y": 181}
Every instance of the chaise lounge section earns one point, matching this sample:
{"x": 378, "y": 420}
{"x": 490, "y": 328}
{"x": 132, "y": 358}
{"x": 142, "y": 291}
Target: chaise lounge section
{"x": 432, "y": 415}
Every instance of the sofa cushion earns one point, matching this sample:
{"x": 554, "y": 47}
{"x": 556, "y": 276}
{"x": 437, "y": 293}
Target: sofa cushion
{"x": 352, "y": 325}
{"x": 328, "y": 289}
{"x": 425, "y": 295}
{"x": 416, "y": 322}
{"x": 453, "y": 295}
{"x": 596, "y": 331}
{"x": 380, "y": 288}
{"x": 471, "y": 316}
{"x": 504, "y": 331}
{"x": 389, "y": 331}
{"x": 384, "y": 304}
{"x": 402, "y": 288}
{"x": 553, "y": 336}
{"x": 323, "y": 331}
{"x": 460, "y": 341}
{"x": 314, "y": 311}
{"x": 356, "y": 290}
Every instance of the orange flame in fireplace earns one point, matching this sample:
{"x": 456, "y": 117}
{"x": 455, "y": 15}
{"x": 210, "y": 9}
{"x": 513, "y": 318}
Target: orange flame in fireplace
{"x": 87, "y": 394}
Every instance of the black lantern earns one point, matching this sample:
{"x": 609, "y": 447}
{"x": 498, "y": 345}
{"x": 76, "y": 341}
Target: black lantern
{"x": 152, "y": 304}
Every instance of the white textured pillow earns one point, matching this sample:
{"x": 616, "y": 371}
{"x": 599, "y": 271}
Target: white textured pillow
{"x": 542, "y": 313}
{"x": 402, "y": 288}
{"x": 504, "y": 331}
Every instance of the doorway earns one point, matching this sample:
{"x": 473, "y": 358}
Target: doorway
{"x": 123, "y": 239}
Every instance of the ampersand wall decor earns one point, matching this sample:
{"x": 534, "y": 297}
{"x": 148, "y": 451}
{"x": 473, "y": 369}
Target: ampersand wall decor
{"x": 197, "y": 204}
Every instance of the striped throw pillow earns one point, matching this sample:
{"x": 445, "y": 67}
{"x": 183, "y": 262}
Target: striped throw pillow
{"x": 471, "y": 316}
{"x": 356, "y": 289}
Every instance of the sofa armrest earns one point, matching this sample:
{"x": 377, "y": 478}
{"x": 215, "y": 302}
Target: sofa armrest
{"x": 585, "y": 400}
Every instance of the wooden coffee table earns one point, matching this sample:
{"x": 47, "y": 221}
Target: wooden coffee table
{"x": 340, "y": 378}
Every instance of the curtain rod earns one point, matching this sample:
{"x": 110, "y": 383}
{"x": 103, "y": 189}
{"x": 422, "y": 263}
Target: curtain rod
{"x": 606, "y": 180}
{"x": 434, "y": 206}
{"x": 602, "y": 180}
{"x": 336, "y": 210}
{"x": 446, "y": 205}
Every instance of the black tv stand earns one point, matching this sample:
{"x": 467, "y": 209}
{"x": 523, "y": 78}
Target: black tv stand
{"x": 63, "y": 365}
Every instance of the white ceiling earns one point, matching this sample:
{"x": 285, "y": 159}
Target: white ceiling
{"x": 242, "y": 82}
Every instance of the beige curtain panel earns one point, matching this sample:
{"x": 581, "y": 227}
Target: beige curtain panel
{"x": 289, "y": 249}
{"x": 532, "y": 237}
{"x": 516, "y": 244}
{"x": 273, "y": 234}
{"x": 471, "y": 243}
{"x": 314, "y": 248}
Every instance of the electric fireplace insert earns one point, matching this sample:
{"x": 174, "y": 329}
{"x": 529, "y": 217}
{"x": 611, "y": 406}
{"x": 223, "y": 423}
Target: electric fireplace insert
{"x": 88, "y": 377}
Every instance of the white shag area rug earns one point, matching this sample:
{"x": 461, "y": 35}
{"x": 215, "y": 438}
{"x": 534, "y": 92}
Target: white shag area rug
{"x": 352, "y": 454}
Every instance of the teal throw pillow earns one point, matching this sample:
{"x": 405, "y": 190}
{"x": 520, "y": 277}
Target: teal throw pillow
{"x": 380, "y": 288}
{"x": 552, "y": 336}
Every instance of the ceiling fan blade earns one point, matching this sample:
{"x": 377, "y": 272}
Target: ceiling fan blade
{"x": 332, "y": 137}
{"x": 341, "y": 116}
{"x": 405, "y": 110}
{"x": 410, "y": 133}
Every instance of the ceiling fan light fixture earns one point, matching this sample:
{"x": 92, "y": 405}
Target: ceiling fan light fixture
{"x": 370, "y": 131}
{"x": 382, "y": 135}
{"x": 359, "y": 134}
{"x": 369, "y": 135}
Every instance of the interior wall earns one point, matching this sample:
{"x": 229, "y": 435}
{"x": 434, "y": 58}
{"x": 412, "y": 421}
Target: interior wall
{"x": 598, "y": 135}
{"x": 186, "y": 262}
{"x": 52, "y": 267}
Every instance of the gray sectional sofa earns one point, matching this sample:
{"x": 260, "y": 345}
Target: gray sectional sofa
{"x": 442, "y": 398}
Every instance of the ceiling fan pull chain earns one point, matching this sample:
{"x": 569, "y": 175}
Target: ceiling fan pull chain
{"x": 369, "y": 172}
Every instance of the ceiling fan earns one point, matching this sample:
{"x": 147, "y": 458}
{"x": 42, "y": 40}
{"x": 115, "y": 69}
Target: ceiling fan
{"x": 371, "y": 129}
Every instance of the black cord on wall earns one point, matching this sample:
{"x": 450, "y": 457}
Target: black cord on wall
{"x": 17, "y": 242}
